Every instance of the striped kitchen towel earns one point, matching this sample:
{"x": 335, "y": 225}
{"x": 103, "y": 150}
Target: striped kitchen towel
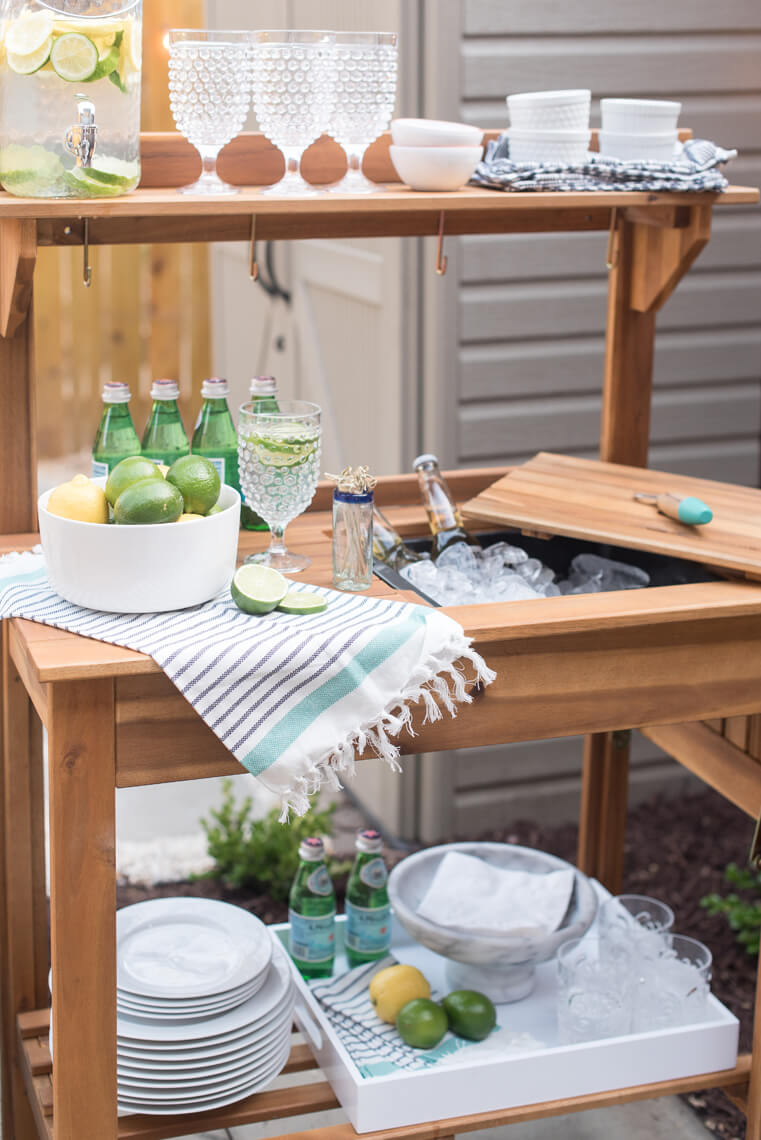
{"x": 694, "y": 168}
{"x": 295, "y": 699}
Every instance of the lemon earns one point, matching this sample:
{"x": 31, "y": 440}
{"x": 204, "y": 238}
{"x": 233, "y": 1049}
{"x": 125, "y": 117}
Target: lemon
{"x": 149, "y": 502}
{"x": 470, "y": 1014}
{"x": 393, "y": 987}
{"x": 189, "y": 518}
{"x": 258, "y": 589}
{"x": 421, "y": 1023}
{"x": 80, "y": 500}
{"x": 29, "y": 33}
{"x": 129, "y": 471}
{"x": 198, "y": 482}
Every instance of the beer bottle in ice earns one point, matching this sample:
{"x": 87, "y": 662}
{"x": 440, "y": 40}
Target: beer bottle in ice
{"x": 444, "y": 517}
{"x": 368, "y": 911}
{"x": 312, "y": 913}
{"x": 388, "y": 545}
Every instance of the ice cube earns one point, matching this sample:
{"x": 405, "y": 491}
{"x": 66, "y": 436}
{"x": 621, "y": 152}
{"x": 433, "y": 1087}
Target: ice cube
{"x": 459, "y": 556}
{"x": 615, "y": 575}
{"x": 530, "y": 570}
{"x": 505, "y": 554}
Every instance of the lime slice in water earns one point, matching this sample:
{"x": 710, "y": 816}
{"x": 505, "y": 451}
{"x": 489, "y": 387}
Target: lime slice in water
{"x": 303, "y": 602}
{"x": 74, "y": 57}
{"x": 111, "y": 171}
{"x": 29, "y": 34}
{"x": 258, "y": 589}
{"x": 32, "y": 61}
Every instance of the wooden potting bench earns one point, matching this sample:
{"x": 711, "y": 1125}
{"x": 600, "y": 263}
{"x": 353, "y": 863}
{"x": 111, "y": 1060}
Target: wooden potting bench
{"x": 596, "y": 664}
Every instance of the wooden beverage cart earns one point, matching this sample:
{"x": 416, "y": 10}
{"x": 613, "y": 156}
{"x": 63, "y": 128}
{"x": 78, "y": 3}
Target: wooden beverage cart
{"x": 595, "y": 664}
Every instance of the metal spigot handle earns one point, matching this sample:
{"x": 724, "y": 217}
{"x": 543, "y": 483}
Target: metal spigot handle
{"x": 81, "y": 139}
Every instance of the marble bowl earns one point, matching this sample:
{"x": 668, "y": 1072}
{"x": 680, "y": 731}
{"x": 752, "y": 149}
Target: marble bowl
{"x": 502, "y": 967}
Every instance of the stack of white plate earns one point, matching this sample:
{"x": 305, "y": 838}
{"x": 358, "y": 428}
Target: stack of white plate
{"x": 204, "y": 1006}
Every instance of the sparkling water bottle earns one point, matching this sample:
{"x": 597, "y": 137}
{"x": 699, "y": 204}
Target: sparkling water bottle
{"x": 164, "y": 439}
{"x": 215, "y": 436}
{"x": 264, "y": 398}
{"x": 312, "y": 913}
{"x": 368, "y": 911}
{"x": 444, "y": 517}
{"x": 116, "y": 438}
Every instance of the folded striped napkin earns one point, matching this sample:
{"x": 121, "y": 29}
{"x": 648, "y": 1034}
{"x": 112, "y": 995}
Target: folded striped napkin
{"x": 295, "y": 699}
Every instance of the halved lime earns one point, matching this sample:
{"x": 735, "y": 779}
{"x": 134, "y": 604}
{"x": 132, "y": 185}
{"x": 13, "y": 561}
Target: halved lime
{"x": 303, "y": 602}
{"x": 74, "y": 57}
{"x": 29, "y": 33}
{"x": 258, "y": 589}
{"x": 32, "y": 61}
{"x": 112, "y": 171}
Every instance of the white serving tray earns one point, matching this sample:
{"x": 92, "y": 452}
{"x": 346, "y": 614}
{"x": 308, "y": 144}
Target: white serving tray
{"x": 489, "y": 1084}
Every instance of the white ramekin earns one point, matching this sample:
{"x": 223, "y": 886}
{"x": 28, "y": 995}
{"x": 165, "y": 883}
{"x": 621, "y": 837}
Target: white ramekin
{"x": 435, "y": 167}
{"x": 640, "y": 147}
{"x": 639, "y": 116}
{"x": 434, "y": 132}
{"x": 565, "y": 147}
{"x": 550, "y": 110}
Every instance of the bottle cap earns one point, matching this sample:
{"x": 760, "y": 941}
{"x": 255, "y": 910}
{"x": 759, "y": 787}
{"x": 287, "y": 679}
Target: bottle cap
{"x": 312, "y": 850}
{"x": 263, "y": 386}
{"x": 165, "y": 390}
{"x": 369, "y": 840}
{"x": 423, "y": 460}
{"x": 215, "y": 389}
{"x": 116, "y": 393}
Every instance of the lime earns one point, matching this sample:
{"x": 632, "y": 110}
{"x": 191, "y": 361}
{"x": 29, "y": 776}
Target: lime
{"x": 33, "y": 61}
{"x": 303, "y": 602}
{"x": 29, "y": 33}
{"x": 112, "y": 171}
{"x": 258, "y": 589}
{"x": 421, "y": 1023}
{"x": 470, "y": 1014}
{"x": 74, "y": 57}
{"x": 198, "y": 482}
{"x": 148, "y": 502}
{"x": 129, "y": 471}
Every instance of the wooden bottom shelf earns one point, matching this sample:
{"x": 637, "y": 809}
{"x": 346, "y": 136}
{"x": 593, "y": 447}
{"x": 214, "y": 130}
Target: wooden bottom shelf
{"x": 295, "y": 1100}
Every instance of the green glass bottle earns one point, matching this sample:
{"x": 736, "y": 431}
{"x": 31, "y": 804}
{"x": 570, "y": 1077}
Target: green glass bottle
{"x": 444, "y": 517}
{"x": 368, "y": 911}
{"x": 164, "y": 438}
{"x": 215, "y": 436}
{"x": 116, "y": 438}
{"x": 264, "y": 398}
{"x": 312, "y": 913}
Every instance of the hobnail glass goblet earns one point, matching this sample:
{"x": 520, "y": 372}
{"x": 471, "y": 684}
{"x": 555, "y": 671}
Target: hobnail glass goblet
{"x": 293, "y": 80}
{"x": 279, "y": 464}
{"x": 365, "y": 86}
{"x": 210, "y": 95}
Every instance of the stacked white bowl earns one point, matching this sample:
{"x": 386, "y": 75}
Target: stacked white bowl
{"x": 639, "y": 129}
{"x": 549, "y": 126}
{"x": 429, "y": 154}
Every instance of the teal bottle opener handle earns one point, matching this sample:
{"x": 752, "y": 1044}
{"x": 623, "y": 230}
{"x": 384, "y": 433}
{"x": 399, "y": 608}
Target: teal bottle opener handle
{"x": 694, "y": 511}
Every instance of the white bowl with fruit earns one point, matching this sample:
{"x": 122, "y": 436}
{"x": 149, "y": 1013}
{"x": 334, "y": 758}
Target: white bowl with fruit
{"x": 147, "y": 540}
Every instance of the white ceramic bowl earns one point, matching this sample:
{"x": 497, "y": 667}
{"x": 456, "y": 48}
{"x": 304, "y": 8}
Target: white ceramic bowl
{"x": 435, "y": 167}
{"x": 640, "y": 148}
{"x": 434, "y": 132}
{"x": 141, "y": 569}
{"x": 564, "y": 147}
{"x": 639, "y": 116}
{"x": 550, "y": 110}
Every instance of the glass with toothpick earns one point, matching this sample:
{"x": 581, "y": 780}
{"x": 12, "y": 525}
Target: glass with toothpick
{"x": 353, "y": 529}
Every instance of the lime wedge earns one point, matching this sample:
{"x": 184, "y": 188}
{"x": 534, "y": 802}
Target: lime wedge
{"x": 258, "y": 589}
{"x": 29, "y": 33}
{"x": 112, "y": 171}
{"x": 74, "y": 57}
{"x": 303, "y": 602}
{"x": 32, "y": 61}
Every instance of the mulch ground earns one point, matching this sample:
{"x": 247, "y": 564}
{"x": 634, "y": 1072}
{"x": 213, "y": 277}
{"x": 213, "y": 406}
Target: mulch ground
{"x": 676, "y": 849}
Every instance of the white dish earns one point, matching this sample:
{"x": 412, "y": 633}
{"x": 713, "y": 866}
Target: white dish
{"x": 159, "y": 1054}
{"x": 174, "y": 1003}
{"x": 196, "y": 1084}
{"x": 640, "y": 148}
{"x": 435, "y": 168}
{"x": 639, "y": 116}
{"x": 149, "y": 1075}
{"x": 434, "y": 132}
{"x": 550, "y": 110}
{"x": 141, "y": 569}
{"x": 278, "y": 986}
{"x": 566, "y": 148}
{"x": 134, "y": 1009}
{"x": 187, "y": 948}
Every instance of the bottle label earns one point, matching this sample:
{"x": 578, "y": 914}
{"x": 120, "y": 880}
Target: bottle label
{"x": 312, "y": 939}
{"x": 99, "y": 470}
{"x": 368, "y": 929}
{"x": 374, "y": 874}
{"x": 319, "y": 881}
{"x": 220, "y": 466}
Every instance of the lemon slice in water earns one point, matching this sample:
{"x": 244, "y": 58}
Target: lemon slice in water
{"x": 33, "y": 61}
{"x": 29, "y": 33}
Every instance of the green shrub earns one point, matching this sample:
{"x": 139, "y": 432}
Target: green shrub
{"x": 743, "y": 913}
{"x": 262, "y": 853}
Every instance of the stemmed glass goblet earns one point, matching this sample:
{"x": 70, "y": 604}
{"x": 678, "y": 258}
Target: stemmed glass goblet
{"x": 279, "y": 464}
{"x": 365, "y": 94}
{"x": 293, "y": 81}
{"x": 210, "y": 95}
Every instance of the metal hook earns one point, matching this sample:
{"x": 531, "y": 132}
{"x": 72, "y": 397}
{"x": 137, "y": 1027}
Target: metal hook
{"x": 87, "y": 270}
{"x": 253, "y": 267}
{"x": 442, "y": 261}
{"x": 611, "y": 257}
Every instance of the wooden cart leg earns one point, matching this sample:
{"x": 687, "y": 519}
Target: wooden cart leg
{"x": 83, "y": 908}
{"x": 18, "y": 435}
{"x": 602, "y": 820}
{"x": 590, "y": 813}
{"x": 753, "y": 1127}
{"x": 25, "y": 921}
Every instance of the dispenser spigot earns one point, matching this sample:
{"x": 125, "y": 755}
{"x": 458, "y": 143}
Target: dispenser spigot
{"x": 82, "y": 138}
